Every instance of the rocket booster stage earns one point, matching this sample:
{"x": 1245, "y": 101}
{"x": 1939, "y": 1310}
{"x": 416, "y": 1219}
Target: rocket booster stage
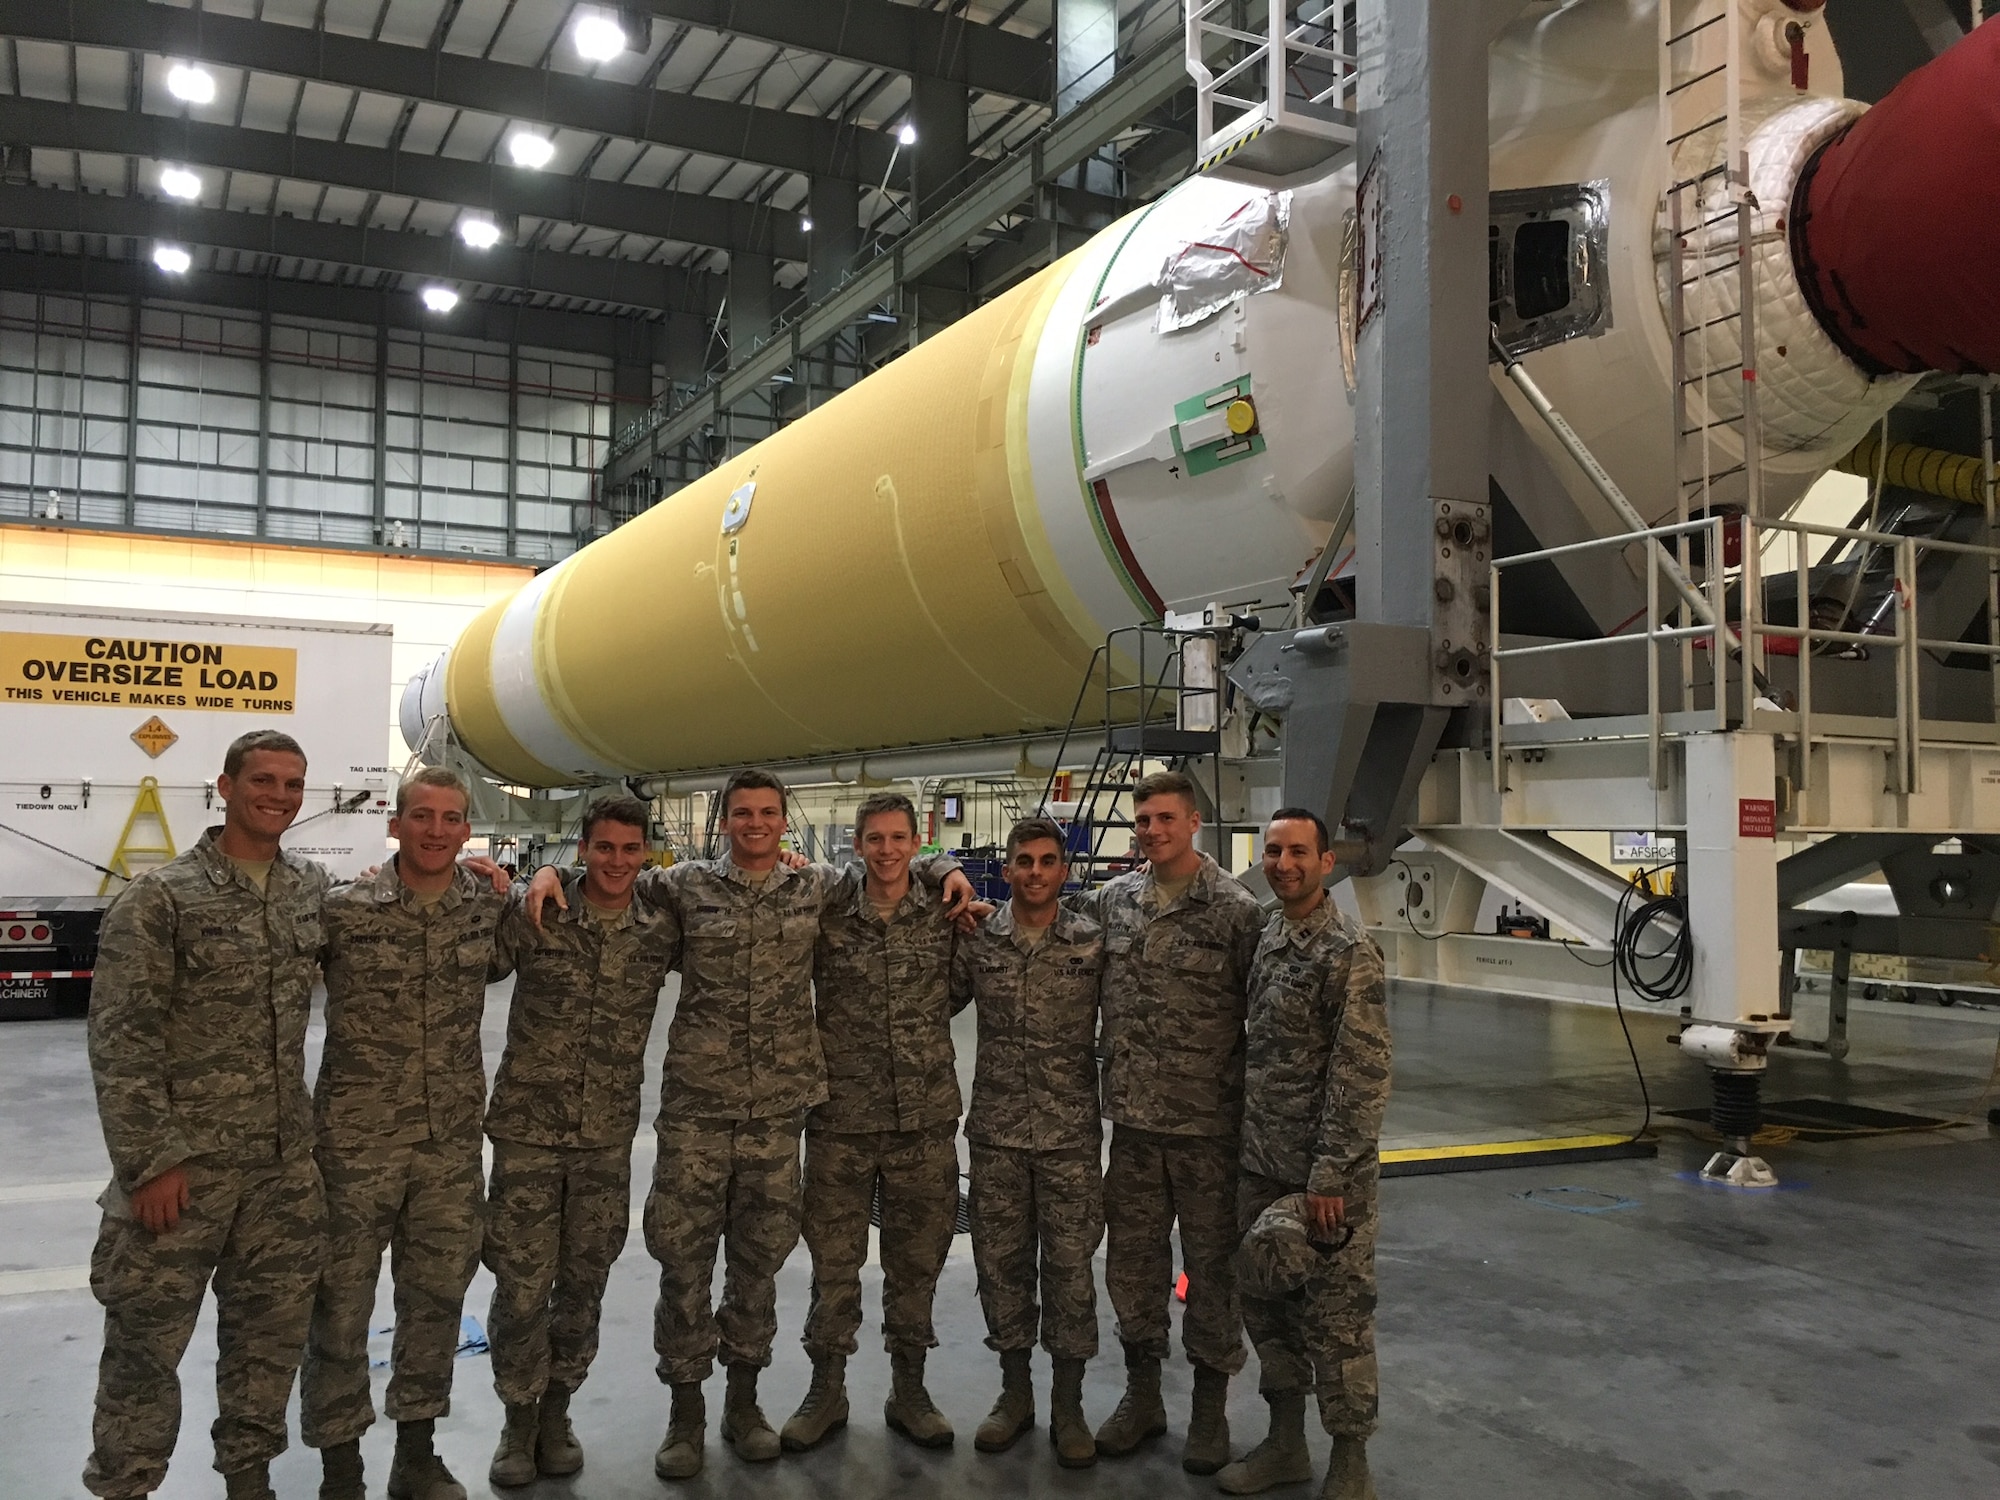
{"x": 1161, "y": 420}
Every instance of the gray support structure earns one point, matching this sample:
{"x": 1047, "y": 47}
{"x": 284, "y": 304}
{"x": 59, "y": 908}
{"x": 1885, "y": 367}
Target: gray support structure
{"x": 380, "y": 432}
{"x": 513, "y": 445}
{"x": 1086, "y": 56}
{"x": 750, "y": 326}
{"x": 835, "y": 206}
{"x": 131, "y": 412}
{"x": 1365, "y": 703}
{"x": 1421, "y": 386}
{"x": 263, "y": 523}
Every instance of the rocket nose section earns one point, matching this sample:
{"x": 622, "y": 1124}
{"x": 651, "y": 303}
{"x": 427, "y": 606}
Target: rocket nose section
{"x": 422, "y": 709}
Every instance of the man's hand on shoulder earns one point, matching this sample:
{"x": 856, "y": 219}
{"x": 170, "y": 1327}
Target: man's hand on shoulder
{"x": 958, "y": 895}
{"x": 547, "y": 883}
{"x": 158, "y": 1204}
{"x": 791, "y": 859}
{"x": 487, "y": 869}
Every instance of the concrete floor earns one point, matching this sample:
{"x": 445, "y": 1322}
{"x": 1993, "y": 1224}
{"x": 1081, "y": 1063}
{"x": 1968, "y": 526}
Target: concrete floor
{"x": 1602, "y": 1330}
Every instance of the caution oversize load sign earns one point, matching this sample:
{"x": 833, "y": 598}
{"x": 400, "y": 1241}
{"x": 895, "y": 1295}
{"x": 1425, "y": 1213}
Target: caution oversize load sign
{"x": 132, "y": 672}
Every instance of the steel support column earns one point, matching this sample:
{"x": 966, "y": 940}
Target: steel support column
{"x": 1086, "y": 56}
{"x": 132, "y": 414}
{"x": 262, "y": 526}
{"x": 1420, "y": 403}
{"x": 381, "y": 431}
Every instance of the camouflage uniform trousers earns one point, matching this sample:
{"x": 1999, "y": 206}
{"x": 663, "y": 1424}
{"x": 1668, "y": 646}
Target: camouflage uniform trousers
{"x": 1151, "y": 1181}
{"x": 918, "y": 1171}
{"x": 423, "y": 1203}
{"x": 728, "y": 1182}
{"x": 556, "y": 1220}
{"x": 258, "y": 1232}
{"x": 1024, "y": 1201}
{"x": 1327, "y": 1327}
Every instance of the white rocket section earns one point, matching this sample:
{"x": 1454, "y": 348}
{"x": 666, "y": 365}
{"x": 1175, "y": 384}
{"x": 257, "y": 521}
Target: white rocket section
{"x": 518, "y": 695}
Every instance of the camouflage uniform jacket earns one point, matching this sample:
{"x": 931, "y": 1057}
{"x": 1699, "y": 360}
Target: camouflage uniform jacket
{"x": 882, "y": 994}
{"x": 405, "y": 993}
{"x": 198, "y": 1013}
{"x": 1174, "y": 981}
{"x": 744, "y": 1045}
{"x": 585, "y": 995}
{"x": 1034, "y": 1085}
{"x": 1318, "y": 1054}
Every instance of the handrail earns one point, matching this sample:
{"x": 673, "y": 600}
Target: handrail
{"x": 1754, "y": 632}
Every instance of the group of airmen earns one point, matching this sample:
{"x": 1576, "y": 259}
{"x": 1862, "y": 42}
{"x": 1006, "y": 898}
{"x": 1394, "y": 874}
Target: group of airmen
{"x": 1243, "y": 1062}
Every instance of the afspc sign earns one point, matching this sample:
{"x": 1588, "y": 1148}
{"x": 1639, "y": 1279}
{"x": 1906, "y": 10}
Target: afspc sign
{"x": 127, "y": 672}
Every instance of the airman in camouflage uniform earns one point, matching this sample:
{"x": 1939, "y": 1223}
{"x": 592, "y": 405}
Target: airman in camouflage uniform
{"x": 1317, "y": 1078}
{"x": 198, "y": 1018}
{"x": 891, "y": 1118}
{"x": 1175, "y": 969}
{"x": 743, "y": 1066}
{"x": 565, "y": 1109}
{"x": 1037, "y": 1181}
{"x": 401, "y": 1089}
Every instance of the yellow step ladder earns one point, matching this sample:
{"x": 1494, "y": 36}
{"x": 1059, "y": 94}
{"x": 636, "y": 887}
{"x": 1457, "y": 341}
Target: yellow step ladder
{"x": 145, "y": 805}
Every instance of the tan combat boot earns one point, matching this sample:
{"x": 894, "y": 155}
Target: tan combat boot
{"x": 1140, "y": 1414}
{"x": 1075, "y": 1448}
{"x": 745, "y": 1428}
{"x": 909, "y": 1409}
{"x": 1347, "y": 1475}
{"x": 514, "y": 1460}
{"x": 824, "y": 1410}
{"x": 557, "y": 1452}
{"x": 1014, "y": 1413}
{"x": 340, "y": 1472}
{"x": 1281, "y": 1458}
{"x": 253, "y": 1483}
{"x": 679, "y": 1454}
{"x": 416, "y": 1472}
{"x": 1207, "y": 1448}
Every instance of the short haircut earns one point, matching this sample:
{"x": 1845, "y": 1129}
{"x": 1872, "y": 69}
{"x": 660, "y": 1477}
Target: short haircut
{"x": 1165, "y": 784}
{"x": 878, "y": 803}
{"x": 1305, "y": 815}
{"x": 616, "y": 808}
{"x": 442, "y": 776}
{"x": 751, "y": 779}
{"x": 257, "y": 739}
{"x": 1029, "y": 830}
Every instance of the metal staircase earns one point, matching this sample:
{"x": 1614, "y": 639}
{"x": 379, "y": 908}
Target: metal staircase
{"x": 1169, "y": 713}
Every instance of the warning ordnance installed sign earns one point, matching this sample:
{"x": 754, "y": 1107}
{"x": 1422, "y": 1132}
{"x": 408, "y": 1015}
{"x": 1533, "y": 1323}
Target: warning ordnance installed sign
{"x": 131, "y": 672}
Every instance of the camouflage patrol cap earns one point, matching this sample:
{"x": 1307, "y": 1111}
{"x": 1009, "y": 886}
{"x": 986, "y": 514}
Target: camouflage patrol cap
{"x": 1279, "y": 1253}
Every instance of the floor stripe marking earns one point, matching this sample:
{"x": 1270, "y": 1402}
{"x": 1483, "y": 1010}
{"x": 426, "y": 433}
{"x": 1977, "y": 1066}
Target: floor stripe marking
{"x": 44, "y": 1279}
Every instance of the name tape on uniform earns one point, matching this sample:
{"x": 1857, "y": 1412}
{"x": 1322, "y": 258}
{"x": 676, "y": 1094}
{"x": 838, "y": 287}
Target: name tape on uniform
{"x": 128, "y": 672}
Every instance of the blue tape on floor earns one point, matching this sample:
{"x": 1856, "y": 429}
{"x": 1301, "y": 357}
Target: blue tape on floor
{"x": 471, "y": 1341}
{"x": 1577, "y": 1200}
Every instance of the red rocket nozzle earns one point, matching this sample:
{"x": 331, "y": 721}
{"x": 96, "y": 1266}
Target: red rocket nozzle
{"x": 1896, "y": 223}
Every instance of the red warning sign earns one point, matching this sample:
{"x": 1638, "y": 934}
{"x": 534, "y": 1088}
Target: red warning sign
{"x": 1756, "y": 818}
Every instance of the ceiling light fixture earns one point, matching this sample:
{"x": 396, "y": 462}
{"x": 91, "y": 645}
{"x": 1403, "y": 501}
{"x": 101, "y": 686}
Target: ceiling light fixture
{"x": 806, "y": 225}
{"x": 179, "y": 182}
{"x": 598, "y": 37}
{"x": 172, "y": 259}
{"x": 480, "y": 234}
{"x": 190, "y": 84}
{"x": 907, "y": 136}
{"x": 440, "y": 299}
{"x": 530, "y": 150}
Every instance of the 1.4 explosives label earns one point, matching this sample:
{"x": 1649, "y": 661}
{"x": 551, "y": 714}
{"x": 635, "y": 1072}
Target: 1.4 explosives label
{"x": 134, "y": 672}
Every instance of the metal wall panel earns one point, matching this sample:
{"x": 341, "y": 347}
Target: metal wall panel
{"x": 193, "y": 427}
